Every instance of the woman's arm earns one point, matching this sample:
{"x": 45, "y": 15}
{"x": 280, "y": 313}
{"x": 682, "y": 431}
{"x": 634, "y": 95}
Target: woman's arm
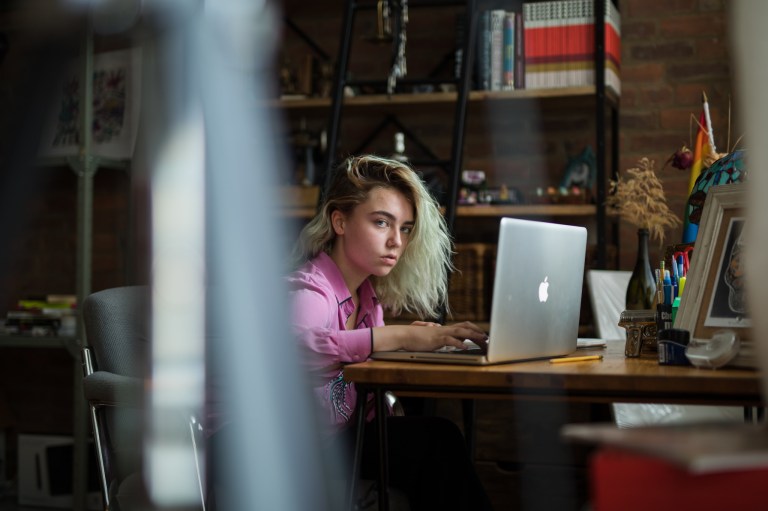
{"x": 325, "y": 343}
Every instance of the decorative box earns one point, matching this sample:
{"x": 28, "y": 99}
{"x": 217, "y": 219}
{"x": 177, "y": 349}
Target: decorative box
{"x": 641, "y": 332}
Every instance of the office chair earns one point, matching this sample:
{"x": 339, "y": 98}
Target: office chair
{"x": 114, "y": 366}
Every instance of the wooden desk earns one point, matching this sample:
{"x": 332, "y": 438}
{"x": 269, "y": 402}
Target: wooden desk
{"x": 613, "y": 379}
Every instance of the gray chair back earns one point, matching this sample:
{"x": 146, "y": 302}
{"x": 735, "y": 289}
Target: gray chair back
{"x": 117, "y": 329}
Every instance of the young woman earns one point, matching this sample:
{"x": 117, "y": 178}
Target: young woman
{"x": 380, "y": 241}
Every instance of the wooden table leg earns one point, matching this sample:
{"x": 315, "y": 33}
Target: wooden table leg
{"x": 362, "y": 398}
{"x": 381, "y": 420}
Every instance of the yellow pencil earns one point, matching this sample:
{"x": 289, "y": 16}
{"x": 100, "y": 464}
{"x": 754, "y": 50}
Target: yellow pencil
{"x": 575, "y": 359}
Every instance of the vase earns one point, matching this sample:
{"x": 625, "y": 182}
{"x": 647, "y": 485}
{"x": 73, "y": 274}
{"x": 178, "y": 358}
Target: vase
{"x": 642, "y": 285}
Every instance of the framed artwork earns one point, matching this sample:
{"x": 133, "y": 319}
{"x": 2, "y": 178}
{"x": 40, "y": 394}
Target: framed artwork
{"x": 115, "y": 101}
{"x": 714, "y": 295}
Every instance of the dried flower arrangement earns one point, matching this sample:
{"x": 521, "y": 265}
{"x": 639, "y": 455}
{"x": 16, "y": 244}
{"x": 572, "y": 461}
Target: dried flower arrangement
{"x": 640, "y": 200}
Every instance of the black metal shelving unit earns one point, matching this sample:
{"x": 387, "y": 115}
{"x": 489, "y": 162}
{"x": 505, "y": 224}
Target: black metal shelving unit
{"x": 463, "y": 86}
{"x": 604, "y": 104}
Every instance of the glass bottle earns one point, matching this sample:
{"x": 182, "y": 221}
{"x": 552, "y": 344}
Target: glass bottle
{"x": 642, "y": 286}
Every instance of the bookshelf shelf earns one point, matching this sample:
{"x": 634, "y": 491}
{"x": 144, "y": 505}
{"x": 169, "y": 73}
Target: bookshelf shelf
{"x": 475, "y": 96}
{"x": 518, "y": 210}
{"x": 527, "y": 210}
{"x": 305, "y": 212}
{"x": 22, "y": 341}
{"x": 301, "y": 103}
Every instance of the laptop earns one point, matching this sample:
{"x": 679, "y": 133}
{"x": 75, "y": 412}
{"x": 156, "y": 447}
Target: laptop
{"x": 536, "y": 297}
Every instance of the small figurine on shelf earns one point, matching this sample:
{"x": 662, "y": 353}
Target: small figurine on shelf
{"x": 552, "y": 195}
{"x": 399, "y": 154}
{"x": 467, "y": 196}
{"x": 325, "y": 80}
{"x": 473, "y": 189}
{"x": 579, "y": 195}
{"x": 288, "y": 80}
{"x": 503, "y": 193}
{"x": 580, "y": 171}
{"x": 484, "y": 195}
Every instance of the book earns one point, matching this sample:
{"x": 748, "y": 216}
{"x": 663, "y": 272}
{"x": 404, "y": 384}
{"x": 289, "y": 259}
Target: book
{"x": 519, "y": 64}
{"x": 508, "y": 56}
{"x": 559, "y": 41}
{"x": 497, "y": 44}
{"x": 612, "y": 47}
{"x": 484, "y": 51}
{"x": 31, "y": 323}
{"x": 62, "y": 299}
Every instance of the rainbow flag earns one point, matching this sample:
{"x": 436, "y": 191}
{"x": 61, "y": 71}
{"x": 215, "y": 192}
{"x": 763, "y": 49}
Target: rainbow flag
{"x": 701, "y": 148}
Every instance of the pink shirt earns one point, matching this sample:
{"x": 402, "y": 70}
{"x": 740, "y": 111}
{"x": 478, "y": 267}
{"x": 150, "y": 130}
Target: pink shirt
{"x": 321, "y": 306}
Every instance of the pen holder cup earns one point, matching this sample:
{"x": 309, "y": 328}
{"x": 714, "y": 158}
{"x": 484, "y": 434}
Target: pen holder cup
{"x": 641, "y": 332}
{"x": 663, "y": 317}
{"x": 673, "y": 344}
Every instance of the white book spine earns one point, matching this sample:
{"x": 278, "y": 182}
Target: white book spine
{"x": 497, "y": 48}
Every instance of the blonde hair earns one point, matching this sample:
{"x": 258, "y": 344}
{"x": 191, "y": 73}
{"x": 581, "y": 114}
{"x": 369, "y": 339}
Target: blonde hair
{"x": 419, "y": 282}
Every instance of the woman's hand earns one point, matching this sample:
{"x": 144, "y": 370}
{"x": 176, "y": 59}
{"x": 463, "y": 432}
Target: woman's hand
{"x": 415, "y": 337}
{"x": 430, "y": 339}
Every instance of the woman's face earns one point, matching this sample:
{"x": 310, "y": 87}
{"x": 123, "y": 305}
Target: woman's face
{"x": 371, "y": 239}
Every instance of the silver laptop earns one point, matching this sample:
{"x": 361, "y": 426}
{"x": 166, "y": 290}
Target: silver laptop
{"x": 536, "y": 297}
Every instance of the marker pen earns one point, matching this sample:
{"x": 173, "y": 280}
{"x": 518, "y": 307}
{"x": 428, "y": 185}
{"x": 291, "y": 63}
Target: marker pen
{"x": 660, "y": 283}
{"x": 659, "y": 294}
{"x": 664, "y": 320}
{"x": 675, "y": 280}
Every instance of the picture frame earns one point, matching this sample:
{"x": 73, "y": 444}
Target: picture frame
{"x": 713, "y": 298}
{"x": 116, "y": 98}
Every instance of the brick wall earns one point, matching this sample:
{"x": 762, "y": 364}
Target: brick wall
{"x": 42, "y": 254}
{"x": 671, "y": 52}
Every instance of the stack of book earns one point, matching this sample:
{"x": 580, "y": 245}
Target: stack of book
{"x": 547, "y": 45}
{"x": 50, "y": 316}
{"x": 560, "y": 44}
{"x": 500, "y": 51}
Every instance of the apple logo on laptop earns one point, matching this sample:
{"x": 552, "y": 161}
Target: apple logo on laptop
{"x": 543, "y": 293}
